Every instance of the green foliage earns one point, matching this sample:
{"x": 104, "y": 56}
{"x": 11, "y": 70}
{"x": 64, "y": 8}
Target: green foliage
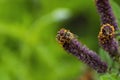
{"x": 113, "y": 71}
{"x": 112, "y": 76}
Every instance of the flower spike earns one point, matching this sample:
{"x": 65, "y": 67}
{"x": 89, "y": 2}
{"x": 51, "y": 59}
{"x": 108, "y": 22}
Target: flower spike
{"x": 73, "y": 46}
{"x": 106, "y": 13}
{"x": 107, "y": 40}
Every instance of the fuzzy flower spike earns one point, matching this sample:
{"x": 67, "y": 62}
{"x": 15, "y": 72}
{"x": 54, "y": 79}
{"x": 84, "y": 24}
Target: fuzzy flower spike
{"x": 108, "y": 42}
{"x": 106, "y": 14}
{"x": 70, "y": 43}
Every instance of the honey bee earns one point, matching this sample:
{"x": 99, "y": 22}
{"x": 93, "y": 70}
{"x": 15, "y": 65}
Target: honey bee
{"x": 106, "y": 33}
{"x": 64, "y": 36}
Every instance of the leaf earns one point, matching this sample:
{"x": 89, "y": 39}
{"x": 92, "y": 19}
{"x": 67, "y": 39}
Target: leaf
{"x": 105, "y": 57}
{"x": 108, "y": 76}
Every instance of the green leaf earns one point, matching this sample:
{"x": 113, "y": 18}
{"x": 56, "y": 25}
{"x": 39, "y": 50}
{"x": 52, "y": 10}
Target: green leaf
{"x": 105, "y": 56}
{"x": 108, "y": 76}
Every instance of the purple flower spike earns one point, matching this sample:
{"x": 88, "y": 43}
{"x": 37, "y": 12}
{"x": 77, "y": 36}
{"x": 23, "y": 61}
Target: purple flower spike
{"x": 107, "y": 40}
{"x": 105, "y": 12}
{"x": 73, "y": 46}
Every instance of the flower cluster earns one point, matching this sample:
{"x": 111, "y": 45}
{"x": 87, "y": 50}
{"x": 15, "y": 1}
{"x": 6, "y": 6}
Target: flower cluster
{"x": 73, "y": 46}
{"x": 109, "y": 25}
{"x": 105, "y": 12}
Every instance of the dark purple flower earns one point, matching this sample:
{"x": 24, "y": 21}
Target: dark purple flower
{"x": 107, "y": 40}
{"x": 105, "y": 12}
{"x": 73, "y": 46}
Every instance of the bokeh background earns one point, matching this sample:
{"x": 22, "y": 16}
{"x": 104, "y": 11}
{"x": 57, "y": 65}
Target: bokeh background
{"x": 28, "y": 28}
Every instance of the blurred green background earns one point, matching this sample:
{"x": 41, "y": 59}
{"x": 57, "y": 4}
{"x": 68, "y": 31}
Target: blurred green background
{"x": 28, "y": 48}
